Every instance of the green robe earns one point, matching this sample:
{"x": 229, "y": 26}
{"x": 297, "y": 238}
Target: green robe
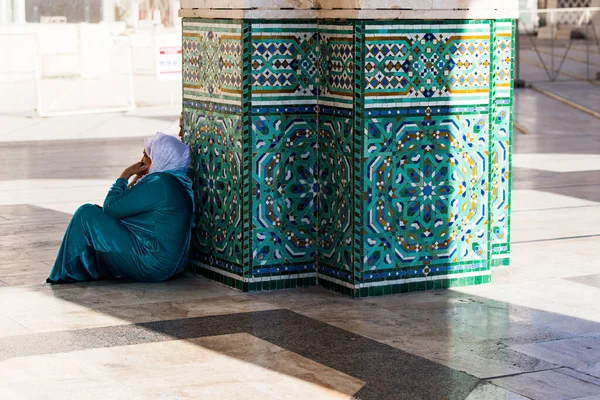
{"x": 142, "y": 233}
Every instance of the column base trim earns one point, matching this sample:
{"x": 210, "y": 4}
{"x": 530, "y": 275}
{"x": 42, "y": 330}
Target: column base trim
{"x": 366, "y": 289}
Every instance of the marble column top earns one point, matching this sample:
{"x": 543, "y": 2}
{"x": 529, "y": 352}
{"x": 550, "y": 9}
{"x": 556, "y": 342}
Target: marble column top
{"x": 350, "y": 9}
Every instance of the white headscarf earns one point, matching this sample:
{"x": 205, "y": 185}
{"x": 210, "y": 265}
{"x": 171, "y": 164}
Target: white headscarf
{"x": 167, "y": 153}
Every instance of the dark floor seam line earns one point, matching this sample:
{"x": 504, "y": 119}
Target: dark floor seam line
{"x": 519, "y": 373}
{"x": 555, "y": 239}
{"x": 579, "y": 372}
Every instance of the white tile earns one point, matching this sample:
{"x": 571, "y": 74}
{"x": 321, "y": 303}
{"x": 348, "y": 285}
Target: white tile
{"x": 548, "y": 385}
{"x": 525, "y": 200}
{"x": 8, "y": 327}
{"x": 581, "y": 354}
{"x": 487, "y": 391}
{"x": 555, "y": 223}
{"x": 557, "y": 162}
{"x": 547, "y": 260}
{"x": 554, "y": 296}
{"x": 47, "y": 368}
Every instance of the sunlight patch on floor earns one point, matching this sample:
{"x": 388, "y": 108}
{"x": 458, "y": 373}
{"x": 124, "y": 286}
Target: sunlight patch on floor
{"x": 557, "y": 162}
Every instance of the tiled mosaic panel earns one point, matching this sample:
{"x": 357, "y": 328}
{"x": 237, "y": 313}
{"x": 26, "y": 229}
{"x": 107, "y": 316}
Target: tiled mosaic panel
{"x": 336, "y": 150}
{"x": 216, "y": 170}
{"x": 428, "y": 145}
{"x": 284, "y": 189}
{"x": 501, "y": 180}
{"x": 408, "y": 64}
{"x": 502, "y": 139}
{"x": 336, "y": 44}
{"x": 212, "y": 96}
{"x": 503, "y": 58}
{"x": 284, "y": 63}
{"x": 425, "y": 188}
{"x": 336, "y": 196}
{"x": 212, "y": 61}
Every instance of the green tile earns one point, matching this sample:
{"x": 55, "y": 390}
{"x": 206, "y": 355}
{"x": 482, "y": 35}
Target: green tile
{"x": 378, "y": 291}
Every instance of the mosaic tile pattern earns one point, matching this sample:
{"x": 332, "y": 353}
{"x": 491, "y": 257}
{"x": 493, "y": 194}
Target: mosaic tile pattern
{"x": 423, "y": 65}
{"x": 501, "y": 172}
{"x": 213, "y": 128}
{"x": 285, "y": 63}
{"x": 373, "y": 157}
{"x": 285, "y": 187}
{"x": 336, "y": 197}
{"x": 426, "y": 188}
{"x": 336, "y": 42}
{"x": 216, "y": 143}
{"x": 501, "y": 177}
{"x": 503, "y": 58}
{"x": 212, "y": 62}
{"x": 336, "y": 151}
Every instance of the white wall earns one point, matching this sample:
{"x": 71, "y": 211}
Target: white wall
{"x": 63, "y": 49}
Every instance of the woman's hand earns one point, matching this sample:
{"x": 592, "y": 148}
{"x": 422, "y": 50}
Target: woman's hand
{"x": 135, "y": 180}
{"x": 138, "y": 168}
{"x": 181, "y": 127}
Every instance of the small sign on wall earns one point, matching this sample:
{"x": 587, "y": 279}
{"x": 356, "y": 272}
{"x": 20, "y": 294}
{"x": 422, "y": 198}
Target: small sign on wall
{"x": 168, "y": 57}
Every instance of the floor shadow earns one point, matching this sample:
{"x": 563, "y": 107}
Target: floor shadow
{"x": 388, "y": 371}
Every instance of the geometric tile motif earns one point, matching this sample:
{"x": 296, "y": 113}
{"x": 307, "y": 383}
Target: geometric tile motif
{"x": 336, "y": 199}
{"x": 426, "y": 190}
{"x": 502, "y": 139}
{"x": 503, "y": 57}
{"x": 212, "y": 61}
{"x": 216, "y": 171}
{"x": 284, "y": 64}
{"x": 336, "y": 42}
{"x": 284, "y": 189}
{"x": 407, "y": 63}
{"x": 500, "y": 179}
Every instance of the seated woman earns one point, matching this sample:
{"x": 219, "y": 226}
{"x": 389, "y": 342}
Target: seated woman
{"x": 143, "y": 231}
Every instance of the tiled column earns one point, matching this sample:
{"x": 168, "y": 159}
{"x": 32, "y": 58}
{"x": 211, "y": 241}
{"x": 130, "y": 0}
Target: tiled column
{"x": 364, "y": 149}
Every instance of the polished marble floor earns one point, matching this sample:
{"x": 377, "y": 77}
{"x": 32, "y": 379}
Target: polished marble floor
{"x": 533, "y": 333}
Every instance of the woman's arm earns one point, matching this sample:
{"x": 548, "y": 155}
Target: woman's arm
{"x": 122, "y": 203}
